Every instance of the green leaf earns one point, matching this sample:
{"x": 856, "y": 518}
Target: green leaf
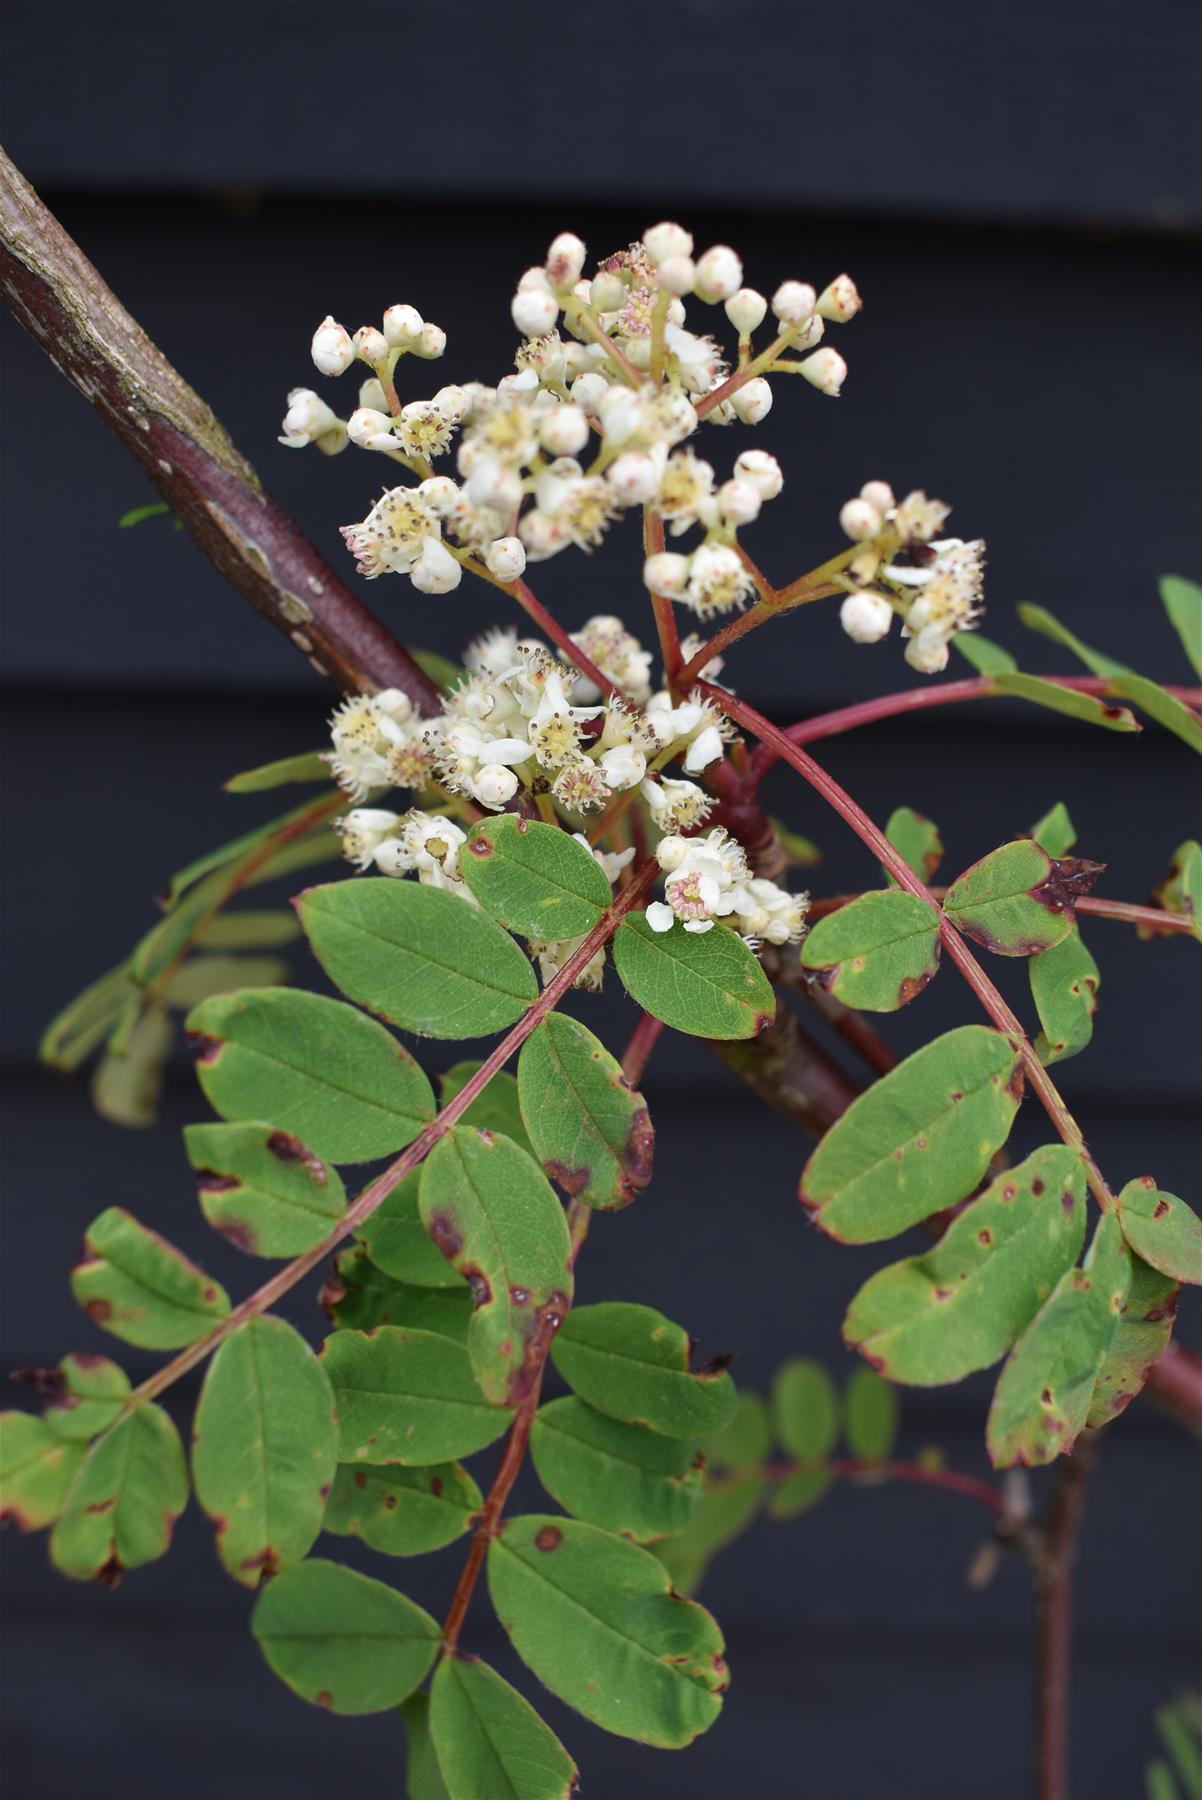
{"x": 744, "y": 1440}
{"x": 127, "y": 1494}
{"x": 622, "y": 1477}
{"x": 805, "y": 1410}
{"x": 37, "y": 1467}
{"x": 263, "y": 1189}
{"x": 490, "y": 1742}
{"x": 496, "y": 1109}
{"x": 93, "y": 1393}
{"x": 407, "y": 1397}
{"x": 920, "y": 1139}
{"x": 421, "y": 958}
{"x": 535, "y": 879}
{"x": 633, "y": 1364}
{"x": 1093, "y": 709}
{"x": 1064, "y": 987}
{"x": 1055, "y": 832}
{"x": 798, "y": 1494}
{"x": 423, "y": 1778}
{"x": 1162, "y": 1229}
{"x": 1144, "y": 1329}
{"x": 1183, "y": 603}
{"x": 597, "y": 1621}
{"x": 869, "y": 1416}
{"x": 727, "y": 1510}
{"x": 86, "y": 1021}
{"x": 1043, "y": 1396}
{"x": 203, "y": 976}
{"x": 708, "y": 983}
{"x": 491, "y": 1211}
{"x": 128, "y": 1080}
{"x": 310, "y": 765}
{"x": 916, "y": 840}
{"x": 985, "y": 656}
{"x": 935, "y": 1318}
{"x": 341, "y": 1640}
{"x": 1160, "y": 1784}
{"x": 297, "y": 1060}
{"x": 141, "y": 1288}
{"x": 358, "y": 1296}
{"x": 1016, "y": 901}
{"x": 264, "y": 1449}
{"x": 1164, "y": 707}
{"x": 251, "y": 929}
{"x": 403, "y": 1512}
{"x": 878, "y": 952}
{"x": 1181, "y": 890}
{"x": 1040, "y": 620}
{"x": 397, "y": 1242}
{"x": 590, "y": 1130}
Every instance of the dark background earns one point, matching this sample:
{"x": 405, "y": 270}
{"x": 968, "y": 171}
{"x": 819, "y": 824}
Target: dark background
{"x": 1015, "y": 190}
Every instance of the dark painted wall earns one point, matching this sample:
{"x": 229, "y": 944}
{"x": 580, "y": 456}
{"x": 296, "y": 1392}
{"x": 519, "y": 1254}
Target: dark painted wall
{"x": 1012, "y": 188}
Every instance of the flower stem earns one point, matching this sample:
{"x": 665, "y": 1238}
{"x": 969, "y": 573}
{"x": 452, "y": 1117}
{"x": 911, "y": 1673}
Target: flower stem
{"x": 534, "y": 609}
{"x": 758, "y": 615}
{"x": 661, "y": 606}
{"x": 742, "y": 376}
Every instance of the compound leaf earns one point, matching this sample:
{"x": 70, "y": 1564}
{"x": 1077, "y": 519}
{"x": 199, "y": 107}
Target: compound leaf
{"x": 727, "y": 1510}
{"x": 127, "y": 1494}
{"x": 37, "y": 1467}
{"x": 403, "y": 1512}
{"x": 708, "y": 983}
{"x": 406, "y": 1396}
{"x": 744, "y": 1440}
{"x": 622, "y": 1477}
{"x": 141, "y": 1288}
{"x": 878, "y": 952}
{"x": 1064, "y": 987}
{"x": 633, "y": 1364}
{"x": 341, "y": 1640}
{"x": 262, "y": 1188}
{"x": 489, "y": 1741}
{"x": 534, "y": 878}
{"x": 590, "y": 1130}
{"x": 1016, "y": 901}
{"x": 1162, "y": 1229}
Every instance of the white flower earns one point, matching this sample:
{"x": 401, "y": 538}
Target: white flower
{"x": 333, "y": 352}
{"x": 565, "y": 260}
{"x": 505, "y": 558}
{"x": 564, "y": 430}
{"x": 676, "y": 806}
{"x": 740, "y": 501}
{"x": 677, "y": 274}
{"x": 859, "y": 519}
{"x": 746, "y": 311}
{"x": 371, "y": 346}
{"x": 928, "y": 652}
{"x": 495, "y": 784}
{"x": 866, "y": 617}
{"x": 793, "y": 302}
{"x": 840, "y": 301}
{"x": 310, "y": 421}
{"x": 435, "y": 570}
{"x": 825, "y": 370}
{"x": 667, "y": 240}
{"x": 761, "y": 468}
{"x": 880, "y": 495}
{"x": 403, "y": 326}
{"x": 393, "y": 535}
{"x": 666, "y": 573}
{"x": 371, "y": 430}
{"x": 624, "y": 767}
{"x": 379, "y": 742}
{"x": 635, "y": 477}
{"x": 718, "y": 582}
{"x": 363, "y": 830}
{"x": 753, "y": 401}
{"x": 533, "y": 311}
{"x": 719, "y": 274}
{"x": 618, "y": 654}
{"x": 705, "y": 748}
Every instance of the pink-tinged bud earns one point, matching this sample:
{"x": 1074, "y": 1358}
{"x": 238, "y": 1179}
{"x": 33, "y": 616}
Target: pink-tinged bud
{"x": 565, "y": 259}
{"x": 371, "y": 346}
{"x": 859, "y": 519}
{"x": 635, "y": 477}
{"x": 666, "y": 573}
{"x": 533, "y": 311}
{"x": 663, "y": 242}
{"x": 436, "y": 570}
{"x": 607, "y": 291}
{"x": 505, "y": 558}
{"x": 740, "y": 501}
{"x": 746, "y": 311}
{"x": 403, "y": 326}
{"x": 495, "y": 784}
{"x": 840, "y": 301}
{"x": 753, "y": 401}
{"x": 878, "y": 494}
{"x": 564, "y": 430}
{"x": 371, "y": 430}
{"x": 677, "y": 274}
{"x": 761, "y": 468}
{"x": 793, "y": 302}
{"x": 431, "y": 344}
{"x": 333, "y": 352}
{"x": 535, "y": 279}
{"x": 719, "y": 274}
{"x": 866, "y": 617}
{"x": 825, "y": 370}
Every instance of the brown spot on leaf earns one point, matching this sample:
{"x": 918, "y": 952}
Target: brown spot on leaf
{"x": 912, "y": 986}
{"x": 287, "y": 1148}
{"x": 389, "y": 1502}
{"x": 480, "y": 1286}
{"x": 985, "y": 1236}
{"x": 102, "y": 1506}
{"x": 956, "y": 1096}
{"x": 1069, "y": 879}
{"x": 209, "y": 1182}
{"x": 480, "y": 847}
{"x": 238, "y": 1233}
{"x": 1009, "y": 1192}
{"x": 109, "y": 1574}
{"x": 519, "y": 1296}
{"x": 572, "y": 1181}
{"x": 539, "y": 1328}
{"x": 1162, "y": 1207}
{"x": 548, "y": 1537}
{"x": 1147, "y": 1181}
{"x": 1037, "y": 1187}
{"x": 266, "y": 1560}
{"x": 205, "y": 1049}
{"x": 99, "y": 1310}
{"x": 638, "y": 1150}
{"x": 360, "y": 1479}
{"x": 1014, "y": 1087}
{"x": 445, "y": 1236}
{"x": 324, "y": 1698}
{"x": 436, "y": 1486}
{"x": 714, "y": 1365}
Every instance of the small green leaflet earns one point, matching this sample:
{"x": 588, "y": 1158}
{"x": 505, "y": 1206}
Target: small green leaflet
{"x": 869, "y": 1416}
{"x": 264, "y": 1449}
{"x": 534, "y": 878}
{"x": 496, "y": 1109}
{"x": 407, "y": 1396}
{"x": 203, "y": 976}
{"x": 1164, "y": 707}
{"x": 310, "y": 765}
{"x": 421, "y": 958}
{"x": 86, "y": 1021}
{"x": 935, "y": 1318}
{"x": 341, "y": 1640}
{"x": 1092, "y": 709}
{"x": 916, "y": 840}
{"x": 1041, "y": 621}
{"x": 724, "y": 1514}
{"x": 128, "y": 1079}
{"x": 1144, "y": 1329}
{"x": 1183, "y": 602}
{"x": 423, "y": 1779}
{"x": 37, "y": 1467}
{"x": 1045, "y": 1390}
{"x": 985, "y": 656}
{"x": 878, "y": 952}
{"x": 744, "y": 1440}
{"x": 1162, "y": 1229}
{"x": 141, "y": 1288}
{"x": 357, "y": 1296}
{"x": 127, "y": 1494}
{"x": 633, "y": 1364}
{"x": 263, "y": 1189}
{"x": 1016, "y": 901}
{"x": 490, "y": 1742}
{"x": 397, "y": 1243}
{"x": 590, "y": 1130}
{"x": 403, "y": 1512}
{"x": 597, "y": 1621}
{"x": 93, "y": 1393}
{"x": 236, "y": 851}
{"x": 1181, "y": 890}
{"x": 708, "y": 983}
{"x": 491, "y": 1211}
{"x": 265, "y": 928}
{"x": 919, "y": 1140}
{"x": 1055, "y": 832}
{"x": 805, "y": 1410}
{"x": 317, "y": 1066}
{"x": 1064, "y": 987}
{"x": 622, "y": 1477}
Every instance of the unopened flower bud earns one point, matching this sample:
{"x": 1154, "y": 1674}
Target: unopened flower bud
{"x": 533, "y": 311}
{"x": 333, "y": 352}
{"x": 607, "y": 291}
{"x": 565, "y": 259}
{"x": 431, "y": 344}
{"x": 825, "y": 370}
{"x": 793, "y": 302}
{"x": 719, "y": 274}
{"x": 666, "y": 573}
{"x": 859, "y": 519}
{"x": 635, "y": 477}
{"x": 740, "y": 501}
{"x": 928, "y": 652}
{"x": 624, "y": 766}
{"x": 662, "y": 242}
{"x": 371, "y": 346}
{"x": 840, "y": 301}
{"x": 452, "y": 401}
{"x": 308, "y": 420}
{"x": 761, "y": 468}
{"x": 677, "y": 275}
{"x": 564, "y": 430}
{"x": 439, "y": 493}
{"x": 746, "y": 311}
{"x": 495, "y": 784}
{"x": 705, "y": 748}
{"x": 753, "y": 401}
{"x": 371, "y": 430}
{"x": 505, "y": 558}
{"x": 435, "y": 571}
{"x": 878, "y": 494}
{"x": 671, "y": 851}
{"x": 372, "y": 394}
{"x": 403, "y": 325}
{"x": 587, "y": 391}
{"x": 866, "y": 617}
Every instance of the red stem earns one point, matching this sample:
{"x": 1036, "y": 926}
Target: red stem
{"x": 663, "y": 608}
{"x": 853, "y": 1468}
{"x": 1053, "y": 1560}
{"x": 638, "y": 1051}
{"x": 486, "y": 1530}
{"x": 534, "y": 609}
{"x": 765, "y": 609}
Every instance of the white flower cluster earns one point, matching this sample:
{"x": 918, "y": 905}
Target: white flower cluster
{"x": 936, "y": 592}
{"x": 708, "y": 878}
